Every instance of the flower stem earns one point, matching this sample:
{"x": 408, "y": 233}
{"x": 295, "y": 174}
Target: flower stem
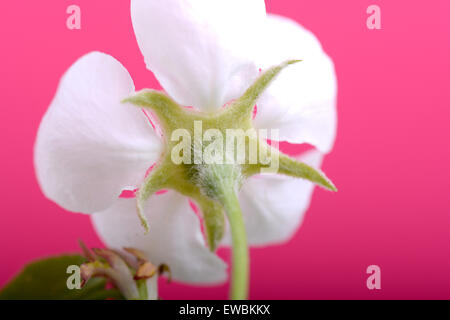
{"x": 240, "y": 268}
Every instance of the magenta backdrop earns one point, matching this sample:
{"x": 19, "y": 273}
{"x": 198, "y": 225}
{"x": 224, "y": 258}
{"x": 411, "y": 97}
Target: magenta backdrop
{"x": 390, "y": 160}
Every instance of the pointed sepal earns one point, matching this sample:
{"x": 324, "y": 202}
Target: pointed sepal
{"x": 166, "y": 110}
{"x": 297, "y": 169}
{"x": 244, "y": 105}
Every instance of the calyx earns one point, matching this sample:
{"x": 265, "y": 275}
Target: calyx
{"x": 206, "y": 183}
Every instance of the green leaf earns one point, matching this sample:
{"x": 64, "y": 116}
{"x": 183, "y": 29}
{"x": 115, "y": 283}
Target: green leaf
{"x": 47, "y": 280}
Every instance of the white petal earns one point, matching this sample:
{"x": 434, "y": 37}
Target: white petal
{"x": 201, "y": 51}
{"x": 301, "y": 102}
{"x": 273, "y": 205}
{"x": 174, "y": 238}
{"x": 89, "y": 145}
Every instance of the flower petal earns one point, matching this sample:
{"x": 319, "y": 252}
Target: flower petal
{"x": 174, "y": 238}
{"x": 273, "y": 205}
{"x": 89, "y": 145}
{"x": 301, "y": 102}
{"x": 200, "y": 50}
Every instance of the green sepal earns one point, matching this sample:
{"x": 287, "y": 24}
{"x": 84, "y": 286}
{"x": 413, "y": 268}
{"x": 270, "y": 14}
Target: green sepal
{"x": 214, "y": 221}
{"x": 169, "y": 113}
{"x": 243, "y": 107}
{"x": 297, "y": 169}
{"x": 156, "y": 180}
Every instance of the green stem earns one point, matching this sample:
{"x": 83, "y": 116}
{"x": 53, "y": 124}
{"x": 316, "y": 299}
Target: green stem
{"x": 240, "y": 268}
{"x": 142, "y": 289}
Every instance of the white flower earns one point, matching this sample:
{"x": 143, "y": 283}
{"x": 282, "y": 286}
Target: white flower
{"x": 90, "y": 147}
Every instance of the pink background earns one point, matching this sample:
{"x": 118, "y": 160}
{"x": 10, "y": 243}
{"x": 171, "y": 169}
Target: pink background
{"x": 390, "y": 160}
